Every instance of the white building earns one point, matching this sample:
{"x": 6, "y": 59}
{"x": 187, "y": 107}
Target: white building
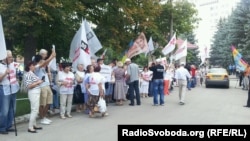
{"x": 210, "y": 12}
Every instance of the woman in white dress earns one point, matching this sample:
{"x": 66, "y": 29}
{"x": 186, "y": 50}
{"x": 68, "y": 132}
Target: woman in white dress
{"x": 145, "y": 78}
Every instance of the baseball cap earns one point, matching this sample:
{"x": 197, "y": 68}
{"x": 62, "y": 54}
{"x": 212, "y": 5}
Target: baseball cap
{"x": 182, "y": 63}
{"x": 158, "y": 60}
{"x": 127, "y": 60}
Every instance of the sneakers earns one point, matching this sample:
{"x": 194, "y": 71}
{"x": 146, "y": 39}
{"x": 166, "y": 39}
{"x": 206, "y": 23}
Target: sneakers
{"x": 44, "y": 121}
{"x": 50, "y": 121}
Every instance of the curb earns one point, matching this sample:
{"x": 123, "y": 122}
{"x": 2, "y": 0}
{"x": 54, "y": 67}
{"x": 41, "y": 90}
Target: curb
{"x": 26, "y": 117}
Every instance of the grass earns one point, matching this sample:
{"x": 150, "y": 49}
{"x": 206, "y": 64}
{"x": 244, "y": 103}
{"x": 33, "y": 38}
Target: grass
{"x": 22, "y": 104}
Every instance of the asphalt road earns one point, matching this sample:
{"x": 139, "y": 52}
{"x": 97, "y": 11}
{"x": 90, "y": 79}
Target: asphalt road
{"x": 203, "y": 106}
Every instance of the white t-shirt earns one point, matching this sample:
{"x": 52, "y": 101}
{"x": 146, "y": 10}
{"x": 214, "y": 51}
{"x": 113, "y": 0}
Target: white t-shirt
{"x": 10, "y": 80}
{"x": 93, "y": 80}
{"x": 69, "y": 78}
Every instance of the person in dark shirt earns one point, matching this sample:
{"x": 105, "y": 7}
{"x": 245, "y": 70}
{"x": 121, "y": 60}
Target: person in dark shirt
{"x": 157, "y": 79}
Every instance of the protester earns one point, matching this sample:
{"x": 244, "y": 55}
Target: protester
{"x": 89, "y": 72}
{"x": 133, "y": 83}
{"x": 42, "y": 71}
{"x": 66, "y": 81}
{"x": 79, "y": 75}
{"x": 119, "y": 91}
{"x": 158, "y": 82}
{"x": 110, "y": 82}
{"x": 145, "y": 78}
{"x": 246, "y": 78}
{"x": 182, "y": 75}
{"x": 32, "y": 83}
{"x": 9, "y": 86}
{"x": 95, "y": 89}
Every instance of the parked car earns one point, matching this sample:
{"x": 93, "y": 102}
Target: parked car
{"x": 217, "y": 77}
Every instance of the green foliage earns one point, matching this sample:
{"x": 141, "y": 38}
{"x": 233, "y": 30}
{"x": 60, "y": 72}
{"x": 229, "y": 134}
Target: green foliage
{"x": 232, "y": 31}
{"x": 22, "y": 104}
{"x": 32, "y": 25}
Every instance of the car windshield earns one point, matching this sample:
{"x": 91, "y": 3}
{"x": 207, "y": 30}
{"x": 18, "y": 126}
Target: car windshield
{"x": 217, "y": 70}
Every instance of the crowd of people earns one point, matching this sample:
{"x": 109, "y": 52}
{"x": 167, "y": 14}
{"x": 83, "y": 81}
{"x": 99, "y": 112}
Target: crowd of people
{"x": 49, "y": 90}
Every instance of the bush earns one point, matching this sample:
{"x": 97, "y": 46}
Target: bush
{"x": 22, "y": 104}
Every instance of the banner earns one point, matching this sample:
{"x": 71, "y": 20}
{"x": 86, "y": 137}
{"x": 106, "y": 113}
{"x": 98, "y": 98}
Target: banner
{"x": 140, "y": 45}
{"x": 181, "y": 51}
{"x": 93, "y": 42}
{"x": 52, "y": 63}
{"x": 3, "y": 51}
{"x": 106, "y": 71}
{"x": 79, "y": 50}
{"x": 239, "y": 62}
{"x": 170, "y": 46}
{"x": 236, "y": 55}
{"x": 150, "y": 46}
{"x": 203, "y": 56}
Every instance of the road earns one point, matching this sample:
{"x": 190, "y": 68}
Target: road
{"x": 203, "y": 106}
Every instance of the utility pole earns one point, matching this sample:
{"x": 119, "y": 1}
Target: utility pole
{"x": 171, "y": 25}
{"x": 171, "y": 19}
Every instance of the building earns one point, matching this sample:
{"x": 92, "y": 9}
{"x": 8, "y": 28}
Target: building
{"x": 210, "y": 12}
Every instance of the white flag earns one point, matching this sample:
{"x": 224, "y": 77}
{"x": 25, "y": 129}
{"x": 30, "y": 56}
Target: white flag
{"x": 52, "y": 63}
{"x": 150, "y": 46}
{"x": 170, "y": 46}
{"x": 93, "y": 42}
{"x": 181, "y": 51}
{"x": 79, "y": 50}
{"x": 3, "y": 52}
{"x": 203, "y": 56}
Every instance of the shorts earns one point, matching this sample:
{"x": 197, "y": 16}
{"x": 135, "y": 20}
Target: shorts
{"x": 46, "y": 96}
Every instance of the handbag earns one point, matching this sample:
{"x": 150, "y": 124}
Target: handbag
{"x": 78, "y": 97}
{"x": 102, "y": 105}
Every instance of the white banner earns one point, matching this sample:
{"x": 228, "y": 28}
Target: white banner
{"x": 52, "y": 63}
{"x": 181, "y": 51}
{"x": 79, "y": 50}
{"x": 106, "y": 71}
{"x": 150, "y": 46}
{"x": 170, "y": 46}
{"x": 93, "y": 42}
{"x": 3, "y": 52}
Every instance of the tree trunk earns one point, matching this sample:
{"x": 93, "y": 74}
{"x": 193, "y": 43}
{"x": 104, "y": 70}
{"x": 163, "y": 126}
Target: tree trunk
{"x": 30, "y": 45}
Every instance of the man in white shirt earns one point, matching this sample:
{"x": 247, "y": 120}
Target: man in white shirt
{"x": 9, "y": 86}
{"x": 181, "y": 75}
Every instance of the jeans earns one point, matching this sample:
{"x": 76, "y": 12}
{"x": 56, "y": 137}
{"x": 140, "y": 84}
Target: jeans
{"x": 34, "y": 97}
{"x": 55, "y": 103}
{"x": 151, "y": 89}
{"x": 158, "y": 89}
{"x": 188, "y": 84}
{"x": 134, "y": 92}
{"x": 7, "y": 110}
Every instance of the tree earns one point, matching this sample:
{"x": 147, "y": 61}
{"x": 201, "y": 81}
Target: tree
{"x": 32, "y": 25}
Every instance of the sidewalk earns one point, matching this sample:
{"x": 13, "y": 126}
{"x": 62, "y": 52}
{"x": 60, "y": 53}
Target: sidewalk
{"x": 25, "y": 118}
